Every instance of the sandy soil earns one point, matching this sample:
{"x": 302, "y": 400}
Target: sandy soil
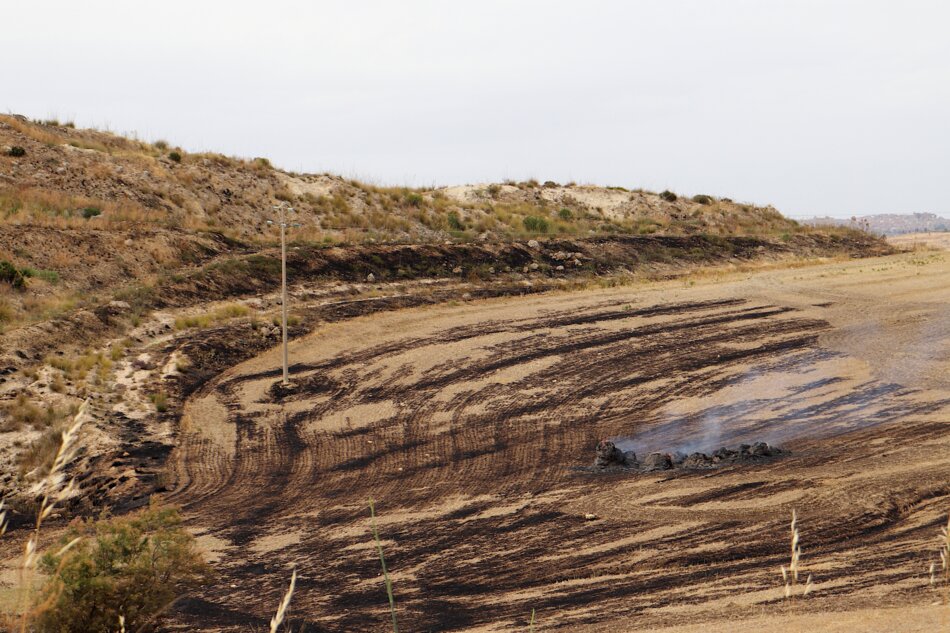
{"x": 469, "y": 426}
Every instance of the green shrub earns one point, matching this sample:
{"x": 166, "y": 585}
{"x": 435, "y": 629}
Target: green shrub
{"x": 262, "y": 163}
{"x": 133, "y": 566}
{"x": 12, "y": 275}
{"x": 455, "y": 222}
{"x": 703, "y": 199}
{"x": 413, "y": 199}
{"x": 668, "y": 195}
{"x": 535, "y": 224}
{"x": 162, "y": 145}
{"x": 175, "y": 156}
{"x": 49, "y": 275}
{"x": 565, "y": 214}
{"x": 16, "y": 151}
{"x": 91, "y": 212}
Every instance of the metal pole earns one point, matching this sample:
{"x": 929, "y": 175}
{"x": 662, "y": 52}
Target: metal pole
{"x": 283, "y": 284}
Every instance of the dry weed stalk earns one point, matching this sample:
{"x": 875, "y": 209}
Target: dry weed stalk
{"x": 3, "y": 517}
{"x": 944, "y": 578}
{"x": 54, "y": 489}
{"x": 278, "y": 618}
{"x": 790, "y": 574}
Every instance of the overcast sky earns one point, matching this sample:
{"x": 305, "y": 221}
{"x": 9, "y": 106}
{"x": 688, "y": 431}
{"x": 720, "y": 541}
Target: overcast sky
{"x": 825, "y": 107}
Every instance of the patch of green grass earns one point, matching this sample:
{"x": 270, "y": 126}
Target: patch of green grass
{"x": 48, "y": 275}
{"x": 534, "y": 224}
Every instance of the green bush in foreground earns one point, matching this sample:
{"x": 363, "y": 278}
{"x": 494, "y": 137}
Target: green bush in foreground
{"x": 133, "y": 566}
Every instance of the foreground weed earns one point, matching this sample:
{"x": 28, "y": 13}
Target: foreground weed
{"x": 790, "y": 574}
{"x": 54, "y": 489}
{"x": 944, "y": 577}
{"x": 278, "y": 618}
{"x": 382, "y": 561}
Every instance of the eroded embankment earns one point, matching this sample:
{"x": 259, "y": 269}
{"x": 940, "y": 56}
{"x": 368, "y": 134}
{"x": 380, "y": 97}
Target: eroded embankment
{"x": 212, "y": 268}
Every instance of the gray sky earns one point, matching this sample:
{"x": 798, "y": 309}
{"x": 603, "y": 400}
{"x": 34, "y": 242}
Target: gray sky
{"x": 825, "y": 107}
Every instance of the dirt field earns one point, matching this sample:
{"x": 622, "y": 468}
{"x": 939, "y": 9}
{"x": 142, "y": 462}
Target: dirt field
{"x": 917, "y": 240}
{"x": 469, "y": 426}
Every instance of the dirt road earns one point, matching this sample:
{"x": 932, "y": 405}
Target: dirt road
{"x": 469, "y": 426}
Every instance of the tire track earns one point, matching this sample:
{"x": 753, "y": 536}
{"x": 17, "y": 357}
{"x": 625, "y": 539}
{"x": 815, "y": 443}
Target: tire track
{"x": 472, "y": 462}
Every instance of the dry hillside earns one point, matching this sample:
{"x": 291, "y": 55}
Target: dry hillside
{"x": 63, "y": 175}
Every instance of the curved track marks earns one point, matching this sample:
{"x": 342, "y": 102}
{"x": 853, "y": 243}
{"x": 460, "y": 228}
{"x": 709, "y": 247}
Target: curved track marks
{"x": 467, "y": 429}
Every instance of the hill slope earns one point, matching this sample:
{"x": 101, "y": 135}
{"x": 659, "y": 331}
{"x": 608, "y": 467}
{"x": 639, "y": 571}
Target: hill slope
{"x": 65, "y": 175}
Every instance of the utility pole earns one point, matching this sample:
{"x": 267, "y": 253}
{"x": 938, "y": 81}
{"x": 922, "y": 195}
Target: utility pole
{"x": 282, "y": 209}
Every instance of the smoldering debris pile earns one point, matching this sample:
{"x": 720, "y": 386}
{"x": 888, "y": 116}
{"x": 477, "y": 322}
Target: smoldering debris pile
{"x": 609, "y": 458}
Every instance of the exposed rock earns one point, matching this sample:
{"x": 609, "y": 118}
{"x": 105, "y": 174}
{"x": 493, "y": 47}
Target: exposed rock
{"x": 534, "y": 244}
{"x": 608, "y": 455}
{"x": 657, "y": 461}
{"x": 371, "y": 278}
{"x": 698, "y": 460}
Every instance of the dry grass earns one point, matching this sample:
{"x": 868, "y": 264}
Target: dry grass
{"x": 79, "y": 367}
{"x": 791, "y": 573}
{"x": 24, "y": 412}
{"x": 44, "y": 207}
{"x": 53, "y": 488}
{"x": 224, "y": 313}
{"x": 160, "y": 400}
{"x": 278, "y": 618}
{"x": 943, "y": 579}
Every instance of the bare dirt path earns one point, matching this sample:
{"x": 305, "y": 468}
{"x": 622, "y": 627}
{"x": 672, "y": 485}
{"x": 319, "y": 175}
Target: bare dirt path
{"x": 468, "y": 426}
